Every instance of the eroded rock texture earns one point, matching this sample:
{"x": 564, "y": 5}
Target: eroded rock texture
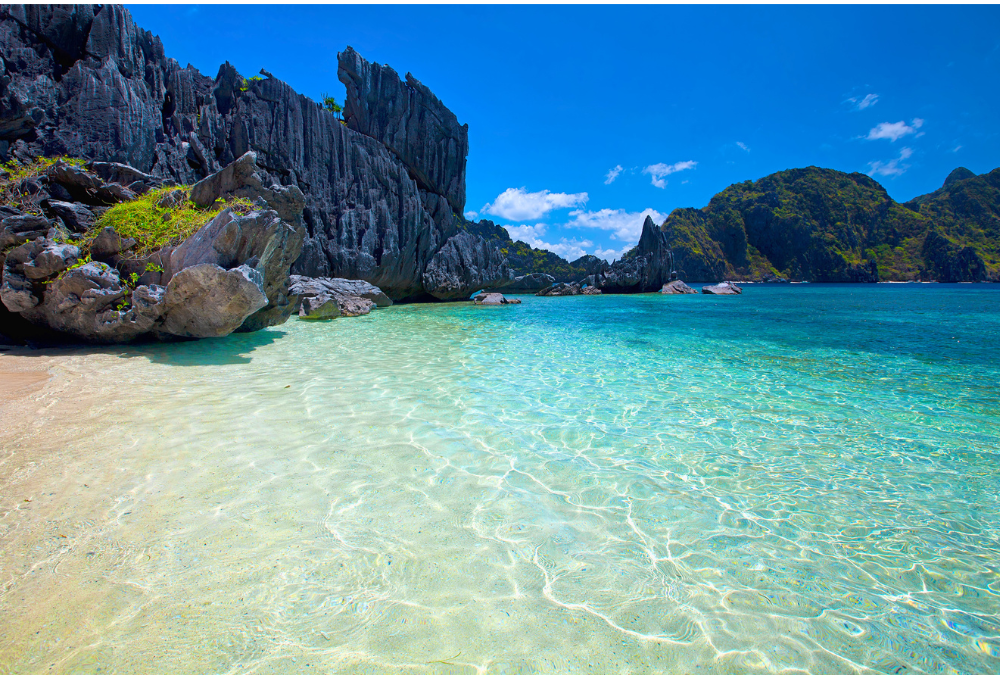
{"x": 381, "y": 195}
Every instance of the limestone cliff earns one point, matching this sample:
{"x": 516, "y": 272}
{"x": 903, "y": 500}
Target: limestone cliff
{"x": 382, "y": 193}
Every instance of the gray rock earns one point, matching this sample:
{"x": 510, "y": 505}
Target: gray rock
{"x": 108, "y": 244}
{"x": 410, "y": 121}
{"x": 47, "y": 258}
{"x": 590, "y": 290}
{"x": 529, "y": 283}
{"x": 319, "y": 307}
{"x": 352, "y": 305}
{"x": 725, "y": 288}
{"x": 87, "y": 187}
{"x": 369, "y": 212}
{"x": 494, "y": 299}
{"x": 302, "y": 287}
{"x": 206, "y": 300}
{"x": 465, "y": 262}
{"x": 243, "y": 179}
{"x": 77, "y": 217}
{"x": 19, "y": 229}
{"x": 677, "y": 287}
{"x": 90, "y": 303}
{"x": 645, "y": 268}
{"x": 560, "y": 289}
{"x": 229, "y": 240}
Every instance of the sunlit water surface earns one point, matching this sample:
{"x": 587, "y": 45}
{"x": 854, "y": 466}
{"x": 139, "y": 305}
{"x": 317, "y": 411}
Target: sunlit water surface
{"x": 798, "y": 480}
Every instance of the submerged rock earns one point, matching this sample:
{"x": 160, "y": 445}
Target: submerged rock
{"x": 677, "y": 287}
{"x": 725, "y": 288}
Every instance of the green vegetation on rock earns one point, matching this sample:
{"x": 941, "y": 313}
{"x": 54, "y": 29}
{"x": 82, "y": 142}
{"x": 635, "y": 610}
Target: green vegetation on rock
{"x": 161, "y": 217}
{"x": 14, "y": 192}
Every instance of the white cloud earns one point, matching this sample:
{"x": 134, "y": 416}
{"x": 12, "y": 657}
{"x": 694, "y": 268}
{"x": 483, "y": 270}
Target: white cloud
{"x": 657, "y": 172}
{"x": 893, "y": 167}
{"x": 471, "y": 215}
{"x": 893, "y": 131}
{"x": 611, "y": 254}
{"x": 624, "y": 225}
{"x": 524, "y": 232}
{"x": 570, "y": 249}
{"x": 519, "y": 204}
{"x": 742, "y": 146}
{"x": 868, "y": 100}
{"x": 956, "y": 148}
{"x": 610, "y": 178}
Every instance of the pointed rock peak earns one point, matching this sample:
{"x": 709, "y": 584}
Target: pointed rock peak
{"x": 650, "y": 236}
{"x": 961, "y": 173}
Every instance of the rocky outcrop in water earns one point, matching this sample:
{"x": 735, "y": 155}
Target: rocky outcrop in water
{"x": 725, "y": 288}
{"x": 231, "y": 274}
{"x": 329, "y": 298}
{"x": 645, "y": 268}
{"x": 381, "y": 195}
{"x": 494, "y": 299}
{"x": 677, "y": 287}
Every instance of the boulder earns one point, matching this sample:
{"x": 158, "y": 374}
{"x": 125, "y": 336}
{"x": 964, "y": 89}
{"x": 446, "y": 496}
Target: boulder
{"x": 21, "y": 228}
{"x": 319, "y": 307}
{"x": 108, "y": 244}
{"x": 677, "y": 287}
{"x": 26, "y": 266}
{"x": 307, "y": 286}
{"x": 90, "y": 303}
{"x": 590, "y": 290}
{"x": 560, "y": 289}
{"x": 725, "y": 288}
{"x": 87, "y": 187}
{"x": 77, "y": 217}
{"x": 261, "y": 239}
{"x": 494, "y": 299}
{"x": 352, "y": 305}
{"x": 206, "y": 300}
{"x": 242, "y": 179}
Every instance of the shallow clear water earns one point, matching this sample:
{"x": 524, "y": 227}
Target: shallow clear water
{"x": 801, "y": 479}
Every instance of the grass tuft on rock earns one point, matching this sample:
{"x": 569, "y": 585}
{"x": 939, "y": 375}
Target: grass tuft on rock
{"x": 162, "y": 218}
{"x": 13, "y": 192}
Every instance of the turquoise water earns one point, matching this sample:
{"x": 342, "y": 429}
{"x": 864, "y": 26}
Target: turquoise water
{"x": 802, "y": 479}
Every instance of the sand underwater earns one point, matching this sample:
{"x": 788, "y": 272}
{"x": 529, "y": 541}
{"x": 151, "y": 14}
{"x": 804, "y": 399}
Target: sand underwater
{"x": 797, "y": 480}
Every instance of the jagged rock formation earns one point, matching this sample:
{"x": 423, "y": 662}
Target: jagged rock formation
{"x": 382, "y": 194}
{"x": 645, "y": 268}
{"x": 410, "y": 121}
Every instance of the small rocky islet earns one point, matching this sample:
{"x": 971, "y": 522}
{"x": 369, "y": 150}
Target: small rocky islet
{"x": 300, "y": 207}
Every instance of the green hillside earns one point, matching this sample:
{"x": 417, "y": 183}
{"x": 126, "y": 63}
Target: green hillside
{"x": 823, "y": 225}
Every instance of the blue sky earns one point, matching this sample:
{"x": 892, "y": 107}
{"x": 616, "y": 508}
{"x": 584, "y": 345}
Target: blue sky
{"x": 582, "y": 119}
